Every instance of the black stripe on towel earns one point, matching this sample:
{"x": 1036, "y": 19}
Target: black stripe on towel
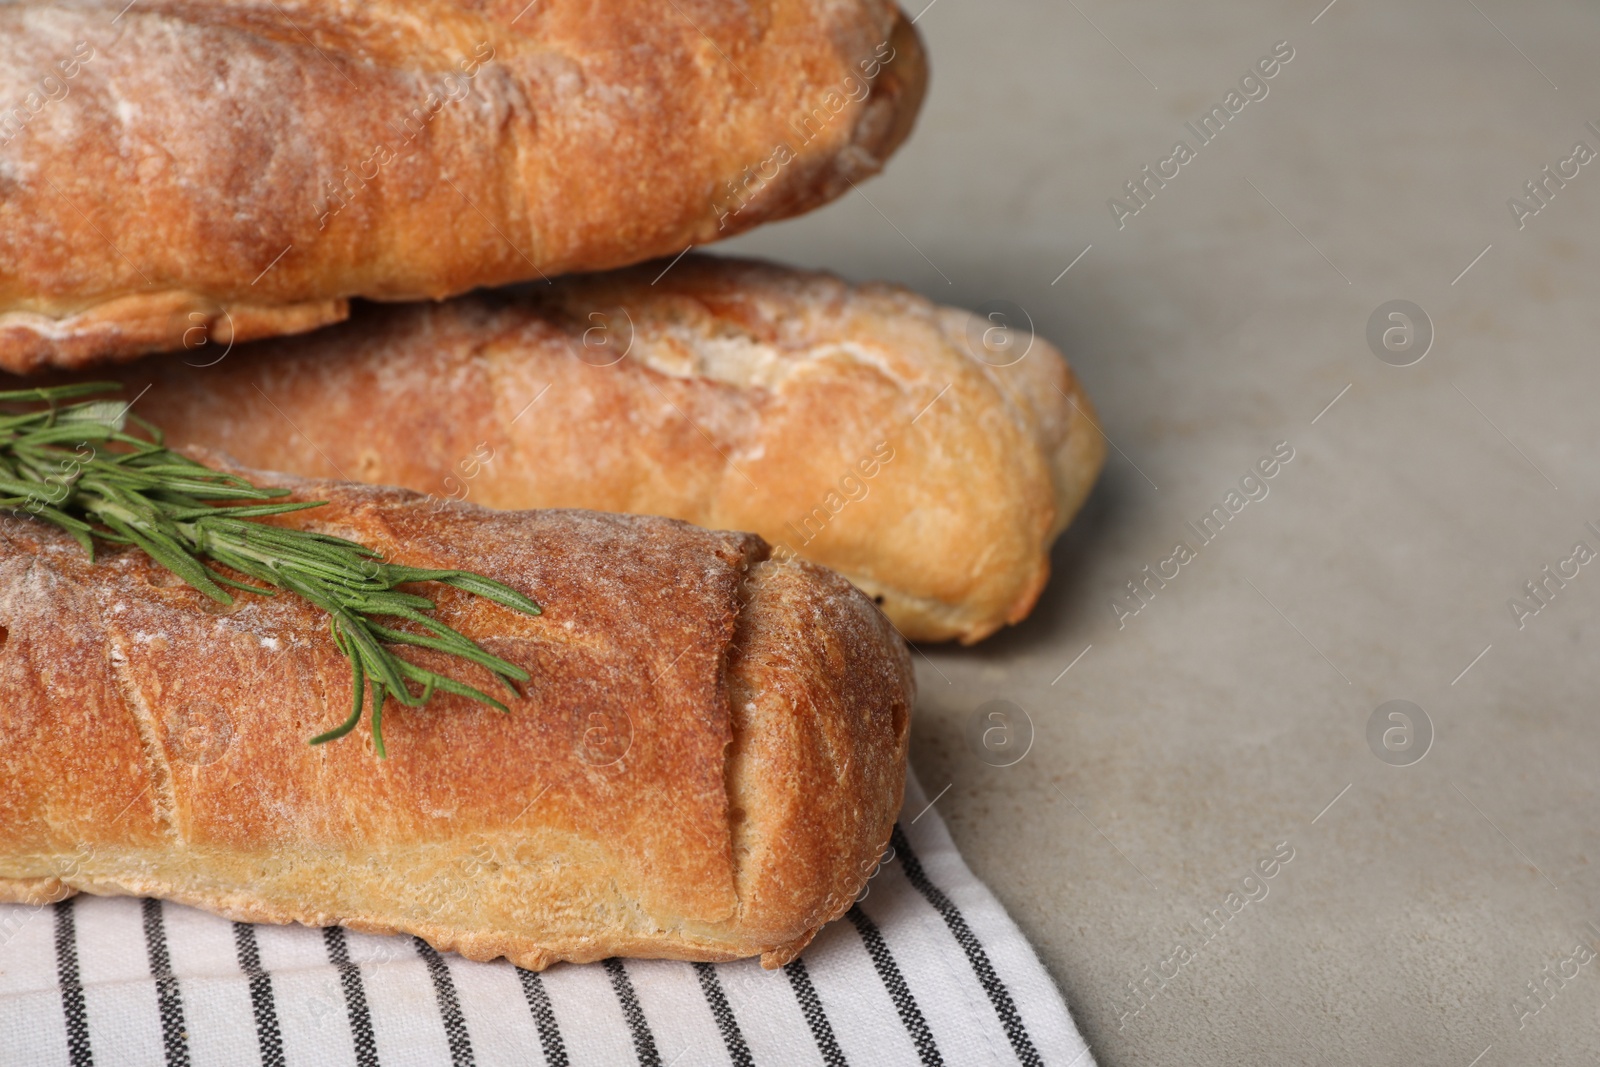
{"x": 722, "y": 1011}
{"x": 999, "y": 996}
{"x": 544, "y": 1017}
{"x": 895, "y": 983}
{"x": 169, "y": 1000}
{"x": 444, "y": 989}
{"x": 644, "y": 1042}
{"x": 268, "y": 1036}
{"x": 355, "y": 997}
{"x": 71, "y": 982}
{"x": 816, "y": 1018}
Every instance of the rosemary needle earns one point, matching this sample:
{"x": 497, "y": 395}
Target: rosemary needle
{"x": 77, "y": 465}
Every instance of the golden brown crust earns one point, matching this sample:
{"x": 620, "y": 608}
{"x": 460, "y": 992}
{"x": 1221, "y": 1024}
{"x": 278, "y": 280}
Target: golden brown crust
{"x": 154, "y": 743}
{"x": 243, "y": 168}
{"x": 856, "y": 426}
{"x": 805, "y": 756}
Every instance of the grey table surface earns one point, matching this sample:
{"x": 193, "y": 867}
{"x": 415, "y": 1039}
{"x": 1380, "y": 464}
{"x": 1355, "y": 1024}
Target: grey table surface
{"x": 1439, "y": 911}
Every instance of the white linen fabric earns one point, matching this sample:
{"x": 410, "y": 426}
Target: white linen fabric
{"x": 926, "y": 969}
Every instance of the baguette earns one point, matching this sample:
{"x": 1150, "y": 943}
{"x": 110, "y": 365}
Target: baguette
{"x": 855, "y": 426}
{"x": 235, "y": 169}
{"x": 708, "y": 760}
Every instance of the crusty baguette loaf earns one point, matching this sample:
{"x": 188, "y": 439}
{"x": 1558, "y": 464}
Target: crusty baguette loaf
{"x": 239, "y": 169}
{"x": 708, "y": 760}
{"x": 856, "y": 426}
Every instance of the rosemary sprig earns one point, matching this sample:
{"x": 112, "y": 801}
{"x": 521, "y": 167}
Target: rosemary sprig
{"x": 77, "y": 465}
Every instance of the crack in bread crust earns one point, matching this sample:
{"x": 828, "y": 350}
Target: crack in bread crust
{"x": 818, "y": 772}
{"x": 157, "y": 765}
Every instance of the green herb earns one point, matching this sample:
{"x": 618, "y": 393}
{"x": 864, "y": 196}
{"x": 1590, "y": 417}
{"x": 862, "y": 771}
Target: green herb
{"x": 77, "y": 466}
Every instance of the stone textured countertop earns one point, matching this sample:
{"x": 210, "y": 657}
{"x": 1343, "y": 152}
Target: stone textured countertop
{"x": 1227, "y": 728}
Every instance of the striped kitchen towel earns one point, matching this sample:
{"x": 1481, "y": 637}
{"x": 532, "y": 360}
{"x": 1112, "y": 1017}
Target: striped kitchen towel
{"x": 927, "y": 968}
